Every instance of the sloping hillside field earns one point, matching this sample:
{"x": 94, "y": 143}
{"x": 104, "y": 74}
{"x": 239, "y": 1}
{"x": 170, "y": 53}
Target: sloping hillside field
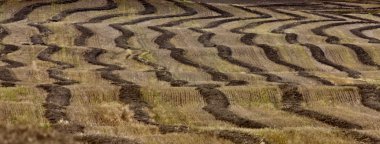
{"x": 190, "y": 72}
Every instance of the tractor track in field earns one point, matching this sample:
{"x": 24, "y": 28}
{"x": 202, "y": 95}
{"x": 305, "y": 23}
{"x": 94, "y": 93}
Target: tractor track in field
{"x": 316, "y": 51}
{"x": 111, "y": 4}
{"x": 58, "y": 97}
{"x": 361, "y": 54}
{"x": 25, "y": 11}
{"x": 292, "y": 98}
{"x": 7, "y": 77}
{"x": 270, "y": 52}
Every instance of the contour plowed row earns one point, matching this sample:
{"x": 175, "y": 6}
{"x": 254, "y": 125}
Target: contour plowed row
{"x": 59, "y": 17}
{"x": 23, "y": 13}
{"x": 292, "y": 99}
{"x": 317, "y": 52}
{"x": 359, "y": 32}
{"x": 58, "y": 97}
{"x": 188, "y": 12}
{"x": 225, "y": 52}
{"x": 362, "y": 55}
{"x": 271, "y": 52}
{"x": 177, "y": 53}
{"x": 6, "y": 75}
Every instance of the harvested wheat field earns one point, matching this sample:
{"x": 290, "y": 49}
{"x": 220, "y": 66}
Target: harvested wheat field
{"x": 190, "y": 72}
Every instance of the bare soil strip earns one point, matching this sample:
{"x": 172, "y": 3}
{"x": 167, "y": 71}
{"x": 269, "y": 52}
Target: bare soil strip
{"x": 23, "y": 13}
{"x": 362, "y": 55}
{"x": 316, "y": 51}
{"x": 7, "y": 77}
{"x": 270, "y": 52}
{"x": 59, "y": 17}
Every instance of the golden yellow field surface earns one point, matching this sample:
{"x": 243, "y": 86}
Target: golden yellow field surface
{"x": 189, "y": 72}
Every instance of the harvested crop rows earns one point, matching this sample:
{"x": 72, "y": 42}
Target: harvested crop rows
{"x": 173, "y": 71}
